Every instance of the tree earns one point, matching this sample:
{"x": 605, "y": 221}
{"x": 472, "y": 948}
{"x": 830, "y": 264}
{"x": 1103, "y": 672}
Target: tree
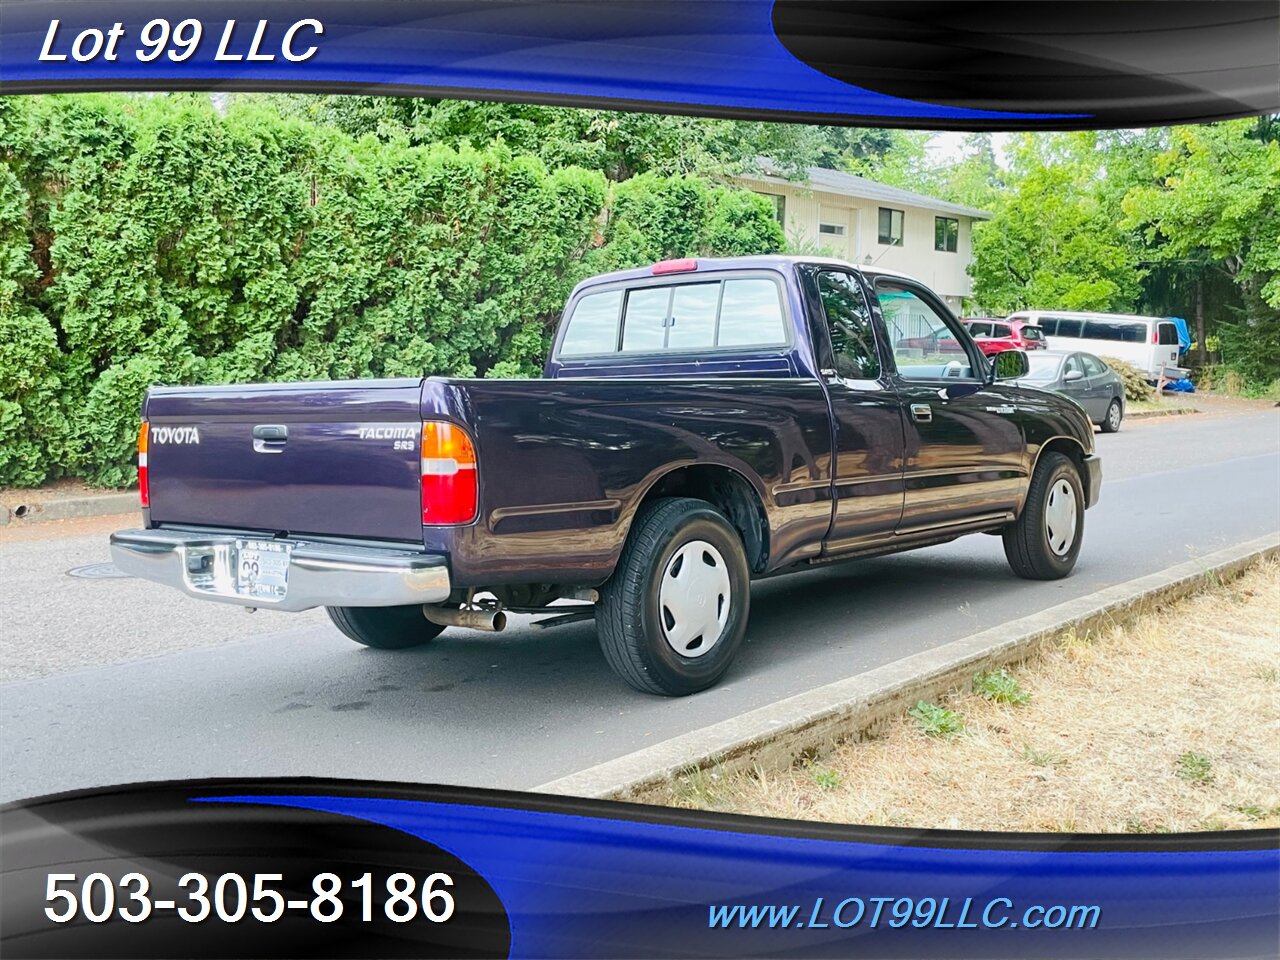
{"x": 1216, "y": 202}
{"x": 156, "y": 239}
{"x": 619, "y": 144}
{"x": 1053, "y": 241}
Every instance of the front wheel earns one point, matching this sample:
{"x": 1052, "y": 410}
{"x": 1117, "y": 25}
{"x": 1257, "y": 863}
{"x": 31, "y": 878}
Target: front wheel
{"x": 1111, "y": 422}
{"x": 673, "y": 615}
{"x": 1044, "y": 542}
{"x": 385, "y": 628}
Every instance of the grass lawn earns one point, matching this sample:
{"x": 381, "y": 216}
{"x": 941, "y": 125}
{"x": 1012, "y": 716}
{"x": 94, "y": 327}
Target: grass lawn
{"x": 1170, "y": 724}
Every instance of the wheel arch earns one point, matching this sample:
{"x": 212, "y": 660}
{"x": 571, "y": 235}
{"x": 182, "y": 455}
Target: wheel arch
{"x": 1072, "y": 448}
{"x": 728, "y": 490}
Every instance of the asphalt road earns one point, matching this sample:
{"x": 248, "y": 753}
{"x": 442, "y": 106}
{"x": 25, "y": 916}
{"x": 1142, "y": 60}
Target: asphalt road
{"x": 113, "y": 681}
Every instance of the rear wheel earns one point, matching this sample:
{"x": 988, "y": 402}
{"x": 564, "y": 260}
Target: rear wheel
{"x": 673, "y": 615}
{"x": 1111, "y": 422}
{"x": 1044, "y": 542}
{"x": 385, "y": 628}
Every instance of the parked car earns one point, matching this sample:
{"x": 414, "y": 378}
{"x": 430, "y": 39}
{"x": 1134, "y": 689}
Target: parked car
{"x": 1149, "y": 343}
{"x": 699, "y": 424}
{"x": 993, "y": 335}
{"x": 1084, "y": 378}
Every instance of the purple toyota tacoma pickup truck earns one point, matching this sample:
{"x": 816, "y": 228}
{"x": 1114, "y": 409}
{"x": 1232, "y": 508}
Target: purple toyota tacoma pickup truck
{"x": 700, "y": 424}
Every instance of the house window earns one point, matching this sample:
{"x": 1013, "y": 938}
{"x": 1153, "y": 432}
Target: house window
{"x": 779, "y": 206}
{"x": 946, "y": 234}
{"x": 833, "y": 222}
{"x": 891, "y": 226}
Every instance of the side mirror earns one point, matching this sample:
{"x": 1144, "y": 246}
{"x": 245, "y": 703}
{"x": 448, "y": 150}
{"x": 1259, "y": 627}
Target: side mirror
{"x": 1071, "y": 375}
{"x": 1009, "y": 365}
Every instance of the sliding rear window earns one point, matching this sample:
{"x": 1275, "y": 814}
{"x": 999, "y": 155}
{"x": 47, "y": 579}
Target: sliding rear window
{"x": 734, "y": 312}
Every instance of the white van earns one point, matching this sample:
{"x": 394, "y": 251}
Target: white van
{"x": 1149, "y": 343}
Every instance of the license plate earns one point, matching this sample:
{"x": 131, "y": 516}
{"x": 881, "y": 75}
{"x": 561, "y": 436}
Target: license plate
{"x": 262, "y": 568}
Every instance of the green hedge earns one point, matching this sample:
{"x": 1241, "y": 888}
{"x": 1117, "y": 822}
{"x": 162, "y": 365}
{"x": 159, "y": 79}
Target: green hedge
{"x": 154, "y": 240}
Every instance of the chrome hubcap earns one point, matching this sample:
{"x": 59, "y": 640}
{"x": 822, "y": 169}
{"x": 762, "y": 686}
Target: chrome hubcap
{"x": 693, "y": 599}
{"x": 1060, "y": 517}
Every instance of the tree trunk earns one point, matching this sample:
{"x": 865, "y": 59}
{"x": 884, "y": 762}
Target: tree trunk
{"x": 1202, "y": 347}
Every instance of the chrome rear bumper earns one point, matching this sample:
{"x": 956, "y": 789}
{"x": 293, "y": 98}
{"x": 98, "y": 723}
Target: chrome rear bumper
{"x": 319, "y": 574}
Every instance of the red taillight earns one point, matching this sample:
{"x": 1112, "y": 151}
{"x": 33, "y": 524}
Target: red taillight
{"x": 144, "y": 483}
{"x": 1155, "y": 337}
{"x": 448, "y": 474}
{"x": 687, "y": 265}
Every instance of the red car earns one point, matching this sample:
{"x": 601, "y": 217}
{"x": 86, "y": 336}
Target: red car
{"x": 993, "y": 335}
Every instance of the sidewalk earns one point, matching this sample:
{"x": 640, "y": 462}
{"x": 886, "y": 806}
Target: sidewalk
{"x": 63, "y": 500}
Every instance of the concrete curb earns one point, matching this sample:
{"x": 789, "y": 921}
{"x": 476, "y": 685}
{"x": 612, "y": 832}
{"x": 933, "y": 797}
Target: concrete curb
{"x": 69, "y": 508}
{"x": 810, "y": 724}
{"x": 1151, "y": 414}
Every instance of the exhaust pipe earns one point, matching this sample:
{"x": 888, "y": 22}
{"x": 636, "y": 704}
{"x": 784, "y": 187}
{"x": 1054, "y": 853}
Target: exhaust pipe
{"x": 492, "y": 621}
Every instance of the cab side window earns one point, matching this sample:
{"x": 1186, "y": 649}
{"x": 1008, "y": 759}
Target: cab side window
{"x": 853, "y": 341}
{"x": 926, "y": 345}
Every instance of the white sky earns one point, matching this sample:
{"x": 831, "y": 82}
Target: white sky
{"x": 949, "y": 146}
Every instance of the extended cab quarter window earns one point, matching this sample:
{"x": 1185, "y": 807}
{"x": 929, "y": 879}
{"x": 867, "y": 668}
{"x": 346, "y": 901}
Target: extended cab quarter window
{"x": 925, "y": 344}
{"x": 853, "y": 342}
{"x": 692, "y": 316}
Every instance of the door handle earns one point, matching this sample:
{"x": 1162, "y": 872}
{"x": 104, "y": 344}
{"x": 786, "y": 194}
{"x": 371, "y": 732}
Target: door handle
{"x": 922, "y": 412}
{"x": 270, "y": 437}
{"x": 271, "y": 431}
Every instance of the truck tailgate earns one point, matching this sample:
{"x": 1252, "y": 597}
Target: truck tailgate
{"x": 336, "y": 459}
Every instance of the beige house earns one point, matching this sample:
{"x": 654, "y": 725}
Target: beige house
{"x": 859, "y": 220}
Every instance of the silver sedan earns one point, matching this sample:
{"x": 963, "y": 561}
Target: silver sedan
{"x": 1085, "y": 379}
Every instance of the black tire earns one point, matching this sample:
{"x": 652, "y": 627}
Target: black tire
{"x": 385, "y": 628}
{"x": 630, "y": 620}
{"x": 1115, "y": 414}
{"x": 1027, "y": 540}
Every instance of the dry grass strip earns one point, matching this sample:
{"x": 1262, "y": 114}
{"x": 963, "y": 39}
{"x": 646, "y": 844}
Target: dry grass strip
{"x": 1169, "y": 724}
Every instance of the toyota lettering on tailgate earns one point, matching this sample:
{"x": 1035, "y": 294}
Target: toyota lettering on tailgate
{"x": 163, "y": 435}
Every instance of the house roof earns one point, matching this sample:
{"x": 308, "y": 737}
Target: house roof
{"x": 849, "y": 185}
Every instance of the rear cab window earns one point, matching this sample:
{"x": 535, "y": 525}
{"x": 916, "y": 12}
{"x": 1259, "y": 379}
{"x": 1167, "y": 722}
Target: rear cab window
{"x": 694, "y": 314}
